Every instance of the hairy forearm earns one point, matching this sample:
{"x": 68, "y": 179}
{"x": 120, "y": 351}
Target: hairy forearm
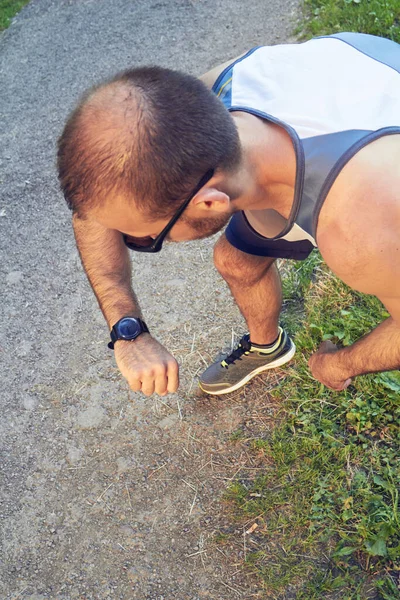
{"x": 106, "y": 262}
{"x": 375, "y": 352}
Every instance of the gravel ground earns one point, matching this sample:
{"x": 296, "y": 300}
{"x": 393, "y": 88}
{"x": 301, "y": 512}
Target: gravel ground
{"x": 106, "y": 494}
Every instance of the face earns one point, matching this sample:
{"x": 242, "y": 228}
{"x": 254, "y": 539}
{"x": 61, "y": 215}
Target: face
{"x": 127, "y": 219}
{"x": 207, "y": 226}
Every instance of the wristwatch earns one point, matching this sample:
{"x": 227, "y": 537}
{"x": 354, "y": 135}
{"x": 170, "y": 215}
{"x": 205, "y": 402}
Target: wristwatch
{"x": 127, "y": 328}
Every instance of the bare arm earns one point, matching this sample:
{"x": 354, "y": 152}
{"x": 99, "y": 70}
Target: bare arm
{"x": 362, "y": 248}
{"x": 107, "y": 265}
{"x": 377, "y": 351}
{"x": 145, "y": 363}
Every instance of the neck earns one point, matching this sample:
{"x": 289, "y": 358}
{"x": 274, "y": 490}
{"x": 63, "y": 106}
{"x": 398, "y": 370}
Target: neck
{"x": 267, "y": 174}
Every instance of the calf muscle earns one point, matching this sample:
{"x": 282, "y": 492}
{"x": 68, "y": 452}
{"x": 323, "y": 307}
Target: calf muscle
{"x": 256, "y": 287}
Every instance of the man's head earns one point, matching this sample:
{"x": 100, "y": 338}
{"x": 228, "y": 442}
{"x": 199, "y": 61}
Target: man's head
{"x": 139, "y": 144}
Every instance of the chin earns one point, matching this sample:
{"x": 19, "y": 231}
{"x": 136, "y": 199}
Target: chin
{"x": 206, "y": 228}
{"x": 192, "y": 238}
{"x": 205, "y": 235}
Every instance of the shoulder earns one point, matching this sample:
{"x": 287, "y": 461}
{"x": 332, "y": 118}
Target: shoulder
{"x": 359, "y": 227}
{"x": 211, "y": 76}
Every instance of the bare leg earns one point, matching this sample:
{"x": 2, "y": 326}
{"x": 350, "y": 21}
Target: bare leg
{"x": 256, "y": 287}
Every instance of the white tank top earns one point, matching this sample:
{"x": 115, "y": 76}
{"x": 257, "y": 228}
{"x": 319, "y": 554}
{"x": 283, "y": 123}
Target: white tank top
{"x": 333, "y": 95}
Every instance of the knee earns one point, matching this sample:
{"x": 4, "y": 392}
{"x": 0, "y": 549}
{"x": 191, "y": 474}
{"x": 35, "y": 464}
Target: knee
{"x": 224, "y": 257}
{"x": 235, "y": 265}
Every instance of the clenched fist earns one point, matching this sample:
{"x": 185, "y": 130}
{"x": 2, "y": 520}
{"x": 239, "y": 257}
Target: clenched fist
{"x": 324, "y": 369}
{"x": 147, "y": 365}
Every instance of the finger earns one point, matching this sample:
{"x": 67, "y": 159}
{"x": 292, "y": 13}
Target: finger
{"x": 161, "y": 384}
{"x": 339, "y": 387}
{"x": 326, "y": 346}
{"x": 148, "y": 386}
{"x": 173, "y": 377}
{"x": 135, "y": 385}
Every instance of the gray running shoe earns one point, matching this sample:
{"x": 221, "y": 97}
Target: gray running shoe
{"x": 245, "y": 363}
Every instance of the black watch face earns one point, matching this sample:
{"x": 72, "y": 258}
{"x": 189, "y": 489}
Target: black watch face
{"x": 128, "y": 328}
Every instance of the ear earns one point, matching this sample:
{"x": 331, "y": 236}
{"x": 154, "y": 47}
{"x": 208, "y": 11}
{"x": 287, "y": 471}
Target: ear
{"x": 212, "y": 200}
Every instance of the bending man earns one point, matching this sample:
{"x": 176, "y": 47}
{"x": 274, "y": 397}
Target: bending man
{"x": 296, "y": 146}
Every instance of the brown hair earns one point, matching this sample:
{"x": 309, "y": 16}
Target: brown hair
{"x": 149, "y": 133}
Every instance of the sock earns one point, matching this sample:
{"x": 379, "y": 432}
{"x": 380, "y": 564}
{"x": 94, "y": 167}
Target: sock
{"x": 268, "y": 348}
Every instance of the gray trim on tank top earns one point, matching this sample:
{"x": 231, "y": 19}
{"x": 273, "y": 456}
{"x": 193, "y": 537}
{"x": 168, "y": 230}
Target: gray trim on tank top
{"x": 342, "y": 160}
{"x": 384, "y": 51}
{"x": 322, "y": 153}
{"x": 221, "y": 76}
{"x": 320, "y": 159}
{"x": 298, "y": 148}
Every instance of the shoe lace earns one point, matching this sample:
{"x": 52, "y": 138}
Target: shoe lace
{"x": 244, "y": 347}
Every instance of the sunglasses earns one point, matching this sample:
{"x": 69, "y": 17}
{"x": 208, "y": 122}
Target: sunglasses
{"x": 149, "y": 244}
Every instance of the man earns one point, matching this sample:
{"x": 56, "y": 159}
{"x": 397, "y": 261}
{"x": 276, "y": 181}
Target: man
{"x": 299, "y": 144}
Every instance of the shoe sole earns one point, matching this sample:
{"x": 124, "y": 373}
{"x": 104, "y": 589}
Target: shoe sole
{"x": 278, "y": 363}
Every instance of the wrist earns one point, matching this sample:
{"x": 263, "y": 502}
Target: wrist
{"x": 127, "y": 344}
{"x": 113, "y": 316}
{"x": 340, "y": 364}
{"x": 127, "y": 329}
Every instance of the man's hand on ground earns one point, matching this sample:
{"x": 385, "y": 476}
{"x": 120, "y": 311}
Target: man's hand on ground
{"x": 147, "y": 366}
{"x": 324, "y": 368}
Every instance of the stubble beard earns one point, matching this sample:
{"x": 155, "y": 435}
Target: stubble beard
{"x": 205, "y": 228}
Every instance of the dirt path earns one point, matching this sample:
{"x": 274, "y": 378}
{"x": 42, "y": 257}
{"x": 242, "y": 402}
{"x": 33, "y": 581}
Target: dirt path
{"x": 106, "y": 494}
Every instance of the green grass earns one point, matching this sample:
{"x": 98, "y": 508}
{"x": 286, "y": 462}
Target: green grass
{"x": 327, "y": 504}
{"x": 378, "y": 17}
{"x": 8, "y": 9}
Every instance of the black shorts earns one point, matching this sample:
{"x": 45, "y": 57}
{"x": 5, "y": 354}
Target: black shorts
{"x": 242, "y": 236}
